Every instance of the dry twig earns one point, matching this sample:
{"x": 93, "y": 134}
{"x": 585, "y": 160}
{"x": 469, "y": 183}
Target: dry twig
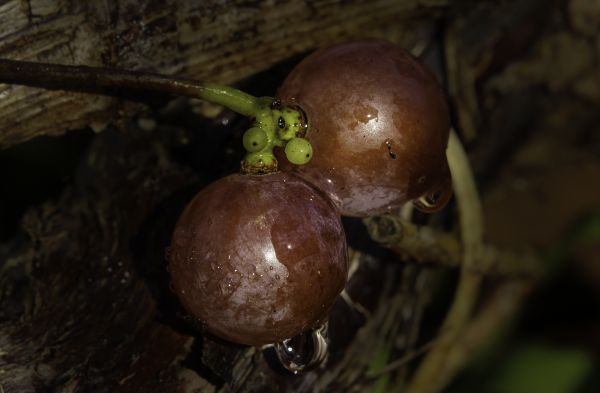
{"x": 424, "y": 244}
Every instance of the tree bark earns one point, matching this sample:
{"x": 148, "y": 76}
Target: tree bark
{"x": 216, "y": 41}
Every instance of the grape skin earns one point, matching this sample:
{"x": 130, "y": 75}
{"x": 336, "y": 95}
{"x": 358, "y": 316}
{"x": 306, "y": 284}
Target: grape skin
{"x": 378, "y": 125}
{"x": 258, "y": 259}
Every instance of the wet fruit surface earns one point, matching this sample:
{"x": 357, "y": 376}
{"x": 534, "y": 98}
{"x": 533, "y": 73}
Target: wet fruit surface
{"x": 378, "y": 125}
{"x": 258, "y": 259}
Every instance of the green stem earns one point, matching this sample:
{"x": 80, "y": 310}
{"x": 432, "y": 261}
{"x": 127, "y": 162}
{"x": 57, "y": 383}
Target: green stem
{"x": 234, "y": 99}
{"x": 280, "y": 124}
{"x": 96, "y": 79}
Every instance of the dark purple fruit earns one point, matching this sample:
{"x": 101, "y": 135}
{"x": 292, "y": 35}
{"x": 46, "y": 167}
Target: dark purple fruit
{"x": 378, "y": 125}
{"x": 258, "y": 259}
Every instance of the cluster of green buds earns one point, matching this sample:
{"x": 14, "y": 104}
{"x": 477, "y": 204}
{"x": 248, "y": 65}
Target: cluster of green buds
{"x": 274, "y": 125}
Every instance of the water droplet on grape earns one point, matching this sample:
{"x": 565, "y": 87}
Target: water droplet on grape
{"x": 392, "y": 154}
{"x": 303, "y": 352}
{"x": 435, "y": 200}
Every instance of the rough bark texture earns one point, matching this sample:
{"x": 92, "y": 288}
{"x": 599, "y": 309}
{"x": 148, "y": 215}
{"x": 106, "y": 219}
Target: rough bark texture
{"x": 218, "y": 41}
{"x": 85, "y": 303}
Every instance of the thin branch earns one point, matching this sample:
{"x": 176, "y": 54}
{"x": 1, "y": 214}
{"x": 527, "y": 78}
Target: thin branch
{"x": 423, "y": 244}
{"x": 431, "y": 375}
{"x": 104, "y": 80}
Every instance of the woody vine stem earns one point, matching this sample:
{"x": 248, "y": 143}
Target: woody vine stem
{"x": 274, "y": 124}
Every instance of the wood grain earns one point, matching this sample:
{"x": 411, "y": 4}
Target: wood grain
{"x": 220, "y": 41}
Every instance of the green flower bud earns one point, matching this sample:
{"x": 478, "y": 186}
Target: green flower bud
{"x": 254, "y": 139}
{"x": 298, "y": 151}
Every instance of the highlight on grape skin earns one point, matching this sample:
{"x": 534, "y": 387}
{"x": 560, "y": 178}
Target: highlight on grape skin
{"x": 378, "y": 122}
{"x": 259, "y": 259}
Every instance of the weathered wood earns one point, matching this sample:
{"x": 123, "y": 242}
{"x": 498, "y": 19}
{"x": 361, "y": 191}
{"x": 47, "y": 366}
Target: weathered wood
{"x": 221, "y": 41}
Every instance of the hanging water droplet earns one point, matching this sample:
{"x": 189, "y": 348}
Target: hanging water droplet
{"x": 303, "y": 352}
{"x": 435, "y": 200}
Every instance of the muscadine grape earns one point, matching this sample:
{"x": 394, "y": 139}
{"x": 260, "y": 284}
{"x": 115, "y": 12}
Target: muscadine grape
{"x": 378, "y": 124}
{"x": 258, "y": 259}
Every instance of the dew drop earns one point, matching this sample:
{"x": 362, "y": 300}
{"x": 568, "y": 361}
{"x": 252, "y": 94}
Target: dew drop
{"x": 435, "y": 200}
{"x": 304, "y": 352}
{"x": 392, "y": 154}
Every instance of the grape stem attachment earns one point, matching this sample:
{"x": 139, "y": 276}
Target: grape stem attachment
{"x": 279, "y": 123}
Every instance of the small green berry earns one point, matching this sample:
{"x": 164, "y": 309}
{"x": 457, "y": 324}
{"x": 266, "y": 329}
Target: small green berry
{"x": 254, "y": 139}
{"x": 298, "y": 151}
